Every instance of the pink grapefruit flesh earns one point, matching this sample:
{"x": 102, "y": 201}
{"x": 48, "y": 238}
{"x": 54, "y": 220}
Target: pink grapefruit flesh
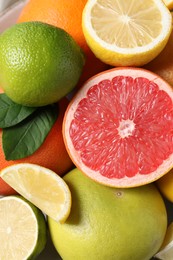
{"x": 118, "y": 129}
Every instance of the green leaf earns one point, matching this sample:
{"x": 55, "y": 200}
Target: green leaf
{"x": 25, "y": 138}
{"x": 12, "y": 113}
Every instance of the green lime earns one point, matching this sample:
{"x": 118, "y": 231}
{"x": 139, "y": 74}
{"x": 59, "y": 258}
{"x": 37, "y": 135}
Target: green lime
{"x": 109, "y": 223}
{"x": 22, "y": 229}
{"x": 39, "y": 63}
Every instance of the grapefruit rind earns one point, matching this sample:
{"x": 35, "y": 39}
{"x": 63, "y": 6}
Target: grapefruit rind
{"x": 125, "y": 182}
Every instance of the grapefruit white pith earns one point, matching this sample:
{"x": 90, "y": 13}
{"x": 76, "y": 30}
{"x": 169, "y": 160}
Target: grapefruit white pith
{"x": 118, "y": 129}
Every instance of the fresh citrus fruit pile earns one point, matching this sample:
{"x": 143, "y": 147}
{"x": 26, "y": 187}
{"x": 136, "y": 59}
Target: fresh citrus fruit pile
{"x": 40, "y": 63}
{"x": 117, "y": 129}
{"x": 67, "y": 15}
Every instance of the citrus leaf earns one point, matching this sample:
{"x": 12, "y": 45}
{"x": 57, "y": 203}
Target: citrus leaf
{"x": 12, "y": 113}
{"x": 25, "y": 138}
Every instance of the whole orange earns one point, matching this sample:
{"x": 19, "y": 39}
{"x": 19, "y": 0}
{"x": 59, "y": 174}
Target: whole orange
{"x": 51, "y": 154}
{"x": 68, "y": 16}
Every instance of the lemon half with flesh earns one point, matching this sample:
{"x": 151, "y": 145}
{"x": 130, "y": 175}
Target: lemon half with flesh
{"x": 126, "y": 32}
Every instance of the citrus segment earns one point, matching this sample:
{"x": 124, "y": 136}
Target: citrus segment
{"x": 22, "y": 229}
{"x": 166, "y": 250}
{"x": 41, "y": 186}
{"x": 118, "y": 127}
{"x": 123, "y": 33}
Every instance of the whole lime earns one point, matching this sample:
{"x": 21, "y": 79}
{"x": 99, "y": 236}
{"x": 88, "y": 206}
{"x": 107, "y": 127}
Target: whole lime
{"x": 109, "y": 223}
{"x": 39, "y": 63}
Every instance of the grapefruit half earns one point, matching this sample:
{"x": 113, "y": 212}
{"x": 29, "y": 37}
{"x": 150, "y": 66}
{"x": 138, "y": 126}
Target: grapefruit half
{"x": 118, "y": 128}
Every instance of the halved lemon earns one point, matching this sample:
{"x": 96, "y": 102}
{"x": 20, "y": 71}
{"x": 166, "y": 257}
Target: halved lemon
{"x": 22, "y": 229}
{"x": 41, "y": 186}
{"x": 126, "y": 32}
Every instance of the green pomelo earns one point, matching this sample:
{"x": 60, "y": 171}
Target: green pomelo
{"x": 39, "y": 63}
{"x": 109, "y": 223}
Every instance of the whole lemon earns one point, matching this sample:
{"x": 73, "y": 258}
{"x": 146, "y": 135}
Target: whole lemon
{"x": 39, "y": 63}
{"x": 109, "y": 223}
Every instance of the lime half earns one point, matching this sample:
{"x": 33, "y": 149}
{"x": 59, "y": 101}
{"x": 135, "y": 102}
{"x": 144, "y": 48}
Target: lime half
{"x": 42, "y": 187}
{"x": 22, "y": 229}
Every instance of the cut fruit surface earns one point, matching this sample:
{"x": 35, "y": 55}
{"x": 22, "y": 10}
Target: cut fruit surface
{"x": 126, "y": 32}
{"x": 118, "y": 129}
{"x": 41, "y": 186}
{"x": 22, "y": 229}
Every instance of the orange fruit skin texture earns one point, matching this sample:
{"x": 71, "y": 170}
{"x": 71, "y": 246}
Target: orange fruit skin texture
{"x": 52, "y": 153}
{"x": 68, "y": 16}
